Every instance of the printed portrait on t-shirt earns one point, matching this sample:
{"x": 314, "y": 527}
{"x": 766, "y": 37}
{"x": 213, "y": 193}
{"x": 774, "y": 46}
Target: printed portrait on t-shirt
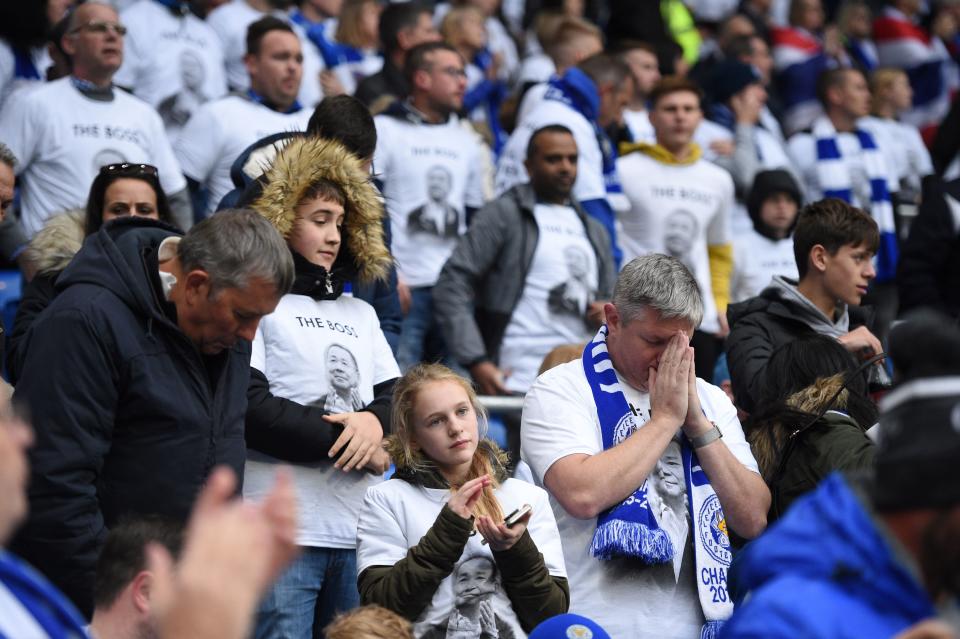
{"x": 437, "y": 216}
{"x": 666, "y": 495}
{"x": 177, "y": 108}
{"x": 106, "y": 157}
{"x": 343, "y": 381}
{"x": 476, "y": 582}
{"x": 680, "y": 230}
{"x": 574, "y": 294}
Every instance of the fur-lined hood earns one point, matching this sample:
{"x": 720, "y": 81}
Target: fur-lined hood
{"x": 302, "y": 163}
{"x": 423, "y": 472}
{"x": 768, "y": 439}
{"x": 58, "y": 241}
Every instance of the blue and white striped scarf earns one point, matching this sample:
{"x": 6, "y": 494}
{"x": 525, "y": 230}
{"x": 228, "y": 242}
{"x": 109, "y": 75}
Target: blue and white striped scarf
{"x": 630, "y": 529}
{"x": 834, "y": 177}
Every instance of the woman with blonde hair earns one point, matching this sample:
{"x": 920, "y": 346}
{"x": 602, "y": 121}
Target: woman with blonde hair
{"x": 417, "y": 541}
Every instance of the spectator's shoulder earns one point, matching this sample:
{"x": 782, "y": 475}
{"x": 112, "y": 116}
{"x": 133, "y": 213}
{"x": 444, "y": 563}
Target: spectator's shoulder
{"x": 713, "y": 172}
{"x": 568, "y": 380}
{"x": 390, "y": 492}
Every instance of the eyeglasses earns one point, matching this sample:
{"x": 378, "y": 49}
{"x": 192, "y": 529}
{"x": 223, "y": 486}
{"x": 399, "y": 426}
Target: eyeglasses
{"x": 126, "y": 168}
{"x": 453, "y": 72}
{"x": 100, "y": 26}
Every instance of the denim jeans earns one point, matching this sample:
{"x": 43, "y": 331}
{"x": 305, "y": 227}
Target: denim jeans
{"x": 420, "y": 334}
{"x": 320, "y": 583}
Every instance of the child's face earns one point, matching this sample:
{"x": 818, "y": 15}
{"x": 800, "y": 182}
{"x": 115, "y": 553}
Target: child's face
{"x": 445, "y": 427}
{"x": 848, "y": 273}
{"x": 778, "y": 213}
{"x": 316, "y": 231}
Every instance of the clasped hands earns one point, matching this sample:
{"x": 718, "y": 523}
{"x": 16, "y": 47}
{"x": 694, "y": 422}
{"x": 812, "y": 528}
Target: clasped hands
{"x": 673, "y": 388}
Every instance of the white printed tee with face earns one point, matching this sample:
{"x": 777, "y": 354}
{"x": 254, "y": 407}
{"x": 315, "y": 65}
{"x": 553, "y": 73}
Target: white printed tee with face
{"x": 677, "y": 210}
{"x": 560, "y": 285}
{"x": 430, "y": 174}
{"x": 471, "y": 602}
{"x": 329, "y": 354}
{"x": 172, "y": 62}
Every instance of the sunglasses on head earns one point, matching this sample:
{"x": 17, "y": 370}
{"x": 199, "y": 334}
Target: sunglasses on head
{"x": 126, "y": 168}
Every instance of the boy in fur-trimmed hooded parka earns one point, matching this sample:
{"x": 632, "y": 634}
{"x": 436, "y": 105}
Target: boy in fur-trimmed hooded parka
{"x": 322, "y": 377}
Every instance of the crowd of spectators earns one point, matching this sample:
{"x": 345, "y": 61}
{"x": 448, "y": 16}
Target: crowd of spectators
{"x": 480, "y": 318}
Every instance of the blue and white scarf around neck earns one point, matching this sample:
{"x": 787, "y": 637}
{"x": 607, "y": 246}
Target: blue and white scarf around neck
{"x": 833, "y": 175}
{"x": 630, "y": 529}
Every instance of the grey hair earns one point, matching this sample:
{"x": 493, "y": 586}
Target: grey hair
{"x": 7, "y": 156}
{"x": 661, "y": 283}
{"x": 234, "y": 247}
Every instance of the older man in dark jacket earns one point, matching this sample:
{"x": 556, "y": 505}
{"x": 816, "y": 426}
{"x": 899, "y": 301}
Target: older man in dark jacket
{"x": 531, "y": 274}
{"x": 136, "y": 378}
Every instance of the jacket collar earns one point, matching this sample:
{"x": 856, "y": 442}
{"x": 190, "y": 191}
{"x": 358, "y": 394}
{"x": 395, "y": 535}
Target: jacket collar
{"x": 315, "y": 281}
{"x": 527, "y": 199}
{"x": 404, "y": 110}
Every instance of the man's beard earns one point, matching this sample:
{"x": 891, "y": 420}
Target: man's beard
{"x": 147, "y": 630}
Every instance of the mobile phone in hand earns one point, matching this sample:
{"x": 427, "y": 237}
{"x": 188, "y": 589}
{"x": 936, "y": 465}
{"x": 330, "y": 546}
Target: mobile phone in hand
{"x": 514, "y": 518}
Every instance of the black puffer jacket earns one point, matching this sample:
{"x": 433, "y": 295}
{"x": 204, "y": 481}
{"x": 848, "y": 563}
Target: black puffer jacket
{"x": 129, "y": 416}
{"x": 758, "y": 327}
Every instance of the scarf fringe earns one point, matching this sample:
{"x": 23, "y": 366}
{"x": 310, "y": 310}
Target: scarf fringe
{"x": 711, "y": 630}
{"x": 619, "y": 538}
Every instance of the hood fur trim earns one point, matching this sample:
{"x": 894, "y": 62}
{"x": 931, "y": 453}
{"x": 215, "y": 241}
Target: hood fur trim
{"x": 58, "y": 241}
{"x": 814, "y": 398}
{"x": 302, "y": 163}
{"x": 767, "y": 440}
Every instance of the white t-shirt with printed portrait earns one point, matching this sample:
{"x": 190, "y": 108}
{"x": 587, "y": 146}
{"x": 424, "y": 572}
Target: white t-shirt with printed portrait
{"x": 62, "y": 138}
{"x": 395, "y": 517}
{"x": 430, "y": 174}
{"x": 561, "y": 283}
{"x": 219, "y": 131}
{"x": 678, "y": 211}
{"x": 627, "y": 598}
{"x": 329, "y": 353}
{"x": 172, "y": 62}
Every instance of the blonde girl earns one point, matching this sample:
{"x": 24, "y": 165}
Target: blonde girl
{"x": 447, "y": 502}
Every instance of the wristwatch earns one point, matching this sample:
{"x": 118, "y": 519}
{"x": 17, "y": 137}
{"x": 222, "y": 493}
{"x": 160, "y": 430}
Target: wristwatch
{"x": 711, "y": 435}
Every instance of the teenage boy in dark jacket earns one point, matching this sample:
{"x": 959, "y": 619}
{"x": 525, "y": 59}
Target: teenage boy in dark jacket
{"x": 136, "y": 378}
{"x": 834, "y": 244}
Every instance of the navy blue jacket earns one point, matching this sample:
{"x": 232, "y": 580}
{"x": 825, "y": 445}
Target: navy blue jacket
{"x": 825, "y": 570}
{"x": 129, "y": 417}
